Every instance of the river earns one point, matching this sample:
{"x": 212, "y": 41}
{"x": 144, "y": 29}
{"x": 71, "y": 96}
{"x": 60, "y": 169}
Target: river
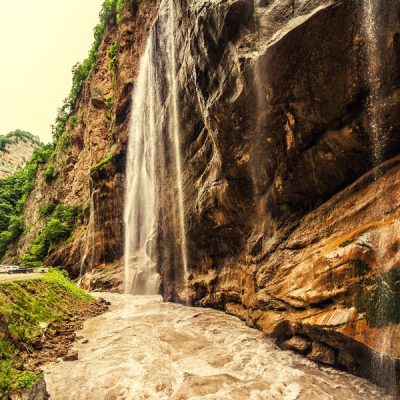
{"x": 143, "y": 348}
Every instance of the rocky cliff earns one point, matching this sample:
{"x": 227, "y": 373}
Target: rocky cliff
{"x": 15, "y": 149}
{"x": 289, "y": 225}
{"x": 291, "y": 221}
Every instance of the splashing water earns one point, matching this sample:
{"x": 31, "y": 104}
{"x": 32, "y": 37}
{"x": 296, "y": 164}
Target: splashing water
{"x": 145, "y": 349}
{"x": 150, "y": 116}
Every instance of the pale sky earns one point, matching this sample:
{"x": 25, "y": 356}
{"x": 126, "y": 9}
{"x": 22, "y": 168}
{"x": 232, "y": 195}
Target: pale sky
{"x": 40, "y": 41}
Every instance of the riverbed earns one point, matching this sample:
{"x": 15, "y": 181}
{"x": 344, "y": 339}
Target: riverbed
{"x": 143, "y": 348}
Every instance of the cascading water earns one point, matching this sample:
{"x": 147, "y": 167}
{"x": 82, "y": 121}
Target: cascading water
{"x": 89, "y": 252}
{"x": 140, "y": 201}
{"x": 384, "y": 368}
{"x": 151, "y": 117}
{"x": 175, "y": 130}
{"x": 372, "y": 48}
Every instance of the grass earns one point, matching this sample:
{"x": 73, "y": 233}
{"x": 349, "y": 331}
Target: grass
{"x": 24, "y": 305}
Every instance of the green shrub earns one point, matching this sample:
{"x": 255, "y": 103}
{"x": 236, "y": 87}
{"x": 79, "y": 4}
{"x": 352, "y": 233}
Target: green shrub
{"x": 64, "y": 141}
{"x": 47, "y": 209}
{"x": 120, "y": 8}
{"x": 59, "y": 224}
{"x": 25, "y": 380}
{"x": 50, "y": 173}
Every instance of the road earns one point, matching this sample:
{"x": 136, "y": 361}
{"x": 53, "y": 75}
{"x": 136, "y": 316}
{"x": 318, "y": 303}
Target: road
{"x": 19, "y": 277}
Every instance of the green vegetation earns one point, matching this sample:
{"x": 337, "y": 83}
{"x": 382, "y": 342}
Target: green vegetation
{"x": 23, "y": 307}
{"x": 60, "y": 221}
{"x": 81, "y": 71}
{"x": 14, "y": 192}
{"x": 109, "y": 104}
{"x": 18, "y": 135}
{"x": 101, "y": 164}
{"x": 64, "y": 141}
{"x": 50, "y": 173}
{"x": 47, "y": 209}
{"x": 120, "y": 8}
{"x": 379, "y": 299}
{"x": 112, "y": 55}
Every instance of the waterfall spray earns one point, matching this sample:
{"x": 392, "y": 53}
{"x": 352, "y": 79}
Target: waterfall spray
{"x": 150, "y": 113}
{"x": 383, "y": 367}
{"x": 87, "y": 262}
{"x": 175, "y": 130}
{"x": 371, "y": 34}
{"x": 140, "y": 197}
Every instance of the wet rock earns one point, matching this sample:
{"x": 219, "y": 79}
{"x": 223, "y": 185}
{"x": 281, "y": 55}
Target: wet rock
{"x": 322, "y": 354}
{"x": 298, "y": 344}
{"x": 71, "y": 357}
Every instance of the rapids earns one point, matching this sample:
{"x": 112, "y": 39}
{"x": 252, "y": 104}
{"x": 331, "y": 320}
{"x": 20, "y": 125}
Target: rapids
{"x": 143, "y": 348}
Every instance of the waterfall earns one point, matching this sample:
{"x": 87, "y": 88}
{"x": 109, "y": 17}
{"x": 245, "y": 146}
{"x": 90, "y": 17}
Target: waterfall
{"x": 154, "y": 120}
{"x": 140, "y": 198}
{"x": 383, "y": 367}
{"x": 370, "y": 13}
{"x": 86, "y": 262}
{"x": 175, "y": 130}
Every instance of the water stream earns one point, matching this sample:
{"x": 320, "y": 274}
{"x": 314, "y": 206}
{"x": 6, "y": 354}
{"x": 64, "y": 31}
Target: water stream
{"x": 146, "y": 349}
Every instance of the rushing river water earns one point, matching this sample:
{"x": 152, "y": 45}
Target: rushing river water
{"x": 145, "y": 349}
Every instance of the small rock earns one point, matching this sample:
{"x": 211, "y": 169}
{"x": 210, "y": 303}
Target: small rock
{"x": 71, "y": 357}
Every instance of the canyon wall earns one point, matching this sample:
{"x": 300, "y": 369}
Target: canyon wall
{"x": 290, "y": 224}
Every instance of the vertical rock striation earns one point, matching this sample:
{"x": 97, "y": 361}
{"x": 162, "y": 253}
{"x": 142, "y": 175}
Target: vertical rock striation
{"x": 288, "y": 226}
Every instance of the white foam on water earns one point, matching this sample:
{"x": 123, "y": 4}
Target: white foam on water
{"x": 145, "y": 349}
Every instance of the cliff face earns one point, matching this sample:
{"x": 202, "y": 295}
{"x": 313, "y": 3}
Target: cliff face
{"x": 16, "y": 149}
{"x": 289, "y": 225}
